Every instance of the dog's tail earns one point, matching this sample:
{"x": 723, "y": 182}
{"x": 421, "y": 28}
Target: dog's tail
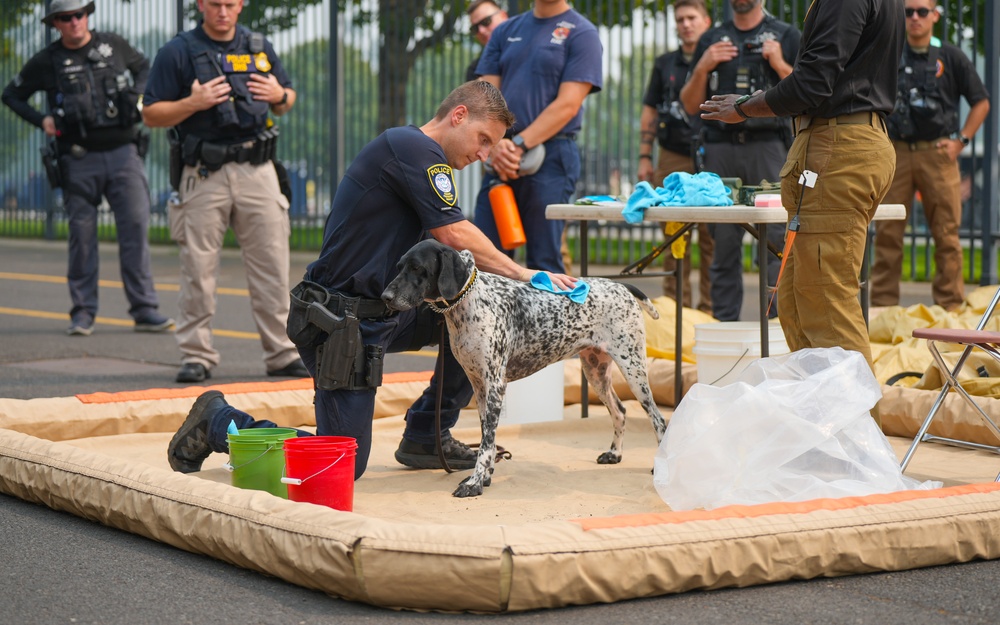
{"x": 643, "y": 300}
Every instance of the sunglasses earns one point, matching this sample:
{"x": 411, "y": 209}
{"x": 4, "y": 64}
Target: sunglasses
{"x": 66, "y": 18}
{"x": 922, "y": 12}
{"x": 483, "y": 23}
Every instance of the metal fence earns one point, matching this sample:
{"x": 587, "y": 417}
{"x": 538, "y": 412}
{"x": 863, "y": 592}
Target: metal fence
{"x": 394, "y": 60}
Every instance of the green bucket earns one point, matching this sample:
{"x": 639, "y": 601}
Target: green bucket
{"x": 257, "y": 459}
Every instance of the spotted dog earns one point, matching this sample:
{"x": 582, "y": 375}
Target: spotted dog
{"x": 504, "y": 330}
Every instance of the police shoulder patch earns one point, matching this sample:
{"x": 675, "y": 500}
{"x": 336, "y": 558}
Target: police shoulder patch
{"x": 442, "y": 182}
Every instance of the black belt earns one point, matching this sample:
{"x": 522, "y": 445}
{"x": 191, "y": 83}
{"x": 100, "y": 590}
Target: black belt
{"x": 739, "y": 137}
{"x": 367, "y": 308}
{"x": 569, "y": 136}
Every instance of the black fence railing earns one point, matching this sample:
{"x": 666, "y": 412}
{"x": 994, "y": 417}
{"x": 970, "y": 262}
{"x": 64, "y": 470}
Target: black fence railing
{"x": 392, "y": 63}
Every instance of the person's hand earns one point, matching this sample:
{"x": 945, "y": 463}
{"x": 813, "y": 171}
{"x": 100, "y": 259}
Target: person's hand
{"x": 718, "y": 52}
{"x": 560, "y": 281}
{"x": 266, "y": 88}
{"x": 720, "y": 108}
{"x": 49, "y": 126}
{"x": 771, "y": 51}
{"x": 645, "y": 170}
{"x": 212, "y": 93}
{"x": 951, "y": 147}
{"x": 505, "y": 158}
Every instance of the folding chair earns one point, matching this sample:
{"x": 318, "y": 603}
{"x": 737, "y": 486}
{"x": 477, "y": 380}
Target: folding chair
{"x": 988, "y": 342}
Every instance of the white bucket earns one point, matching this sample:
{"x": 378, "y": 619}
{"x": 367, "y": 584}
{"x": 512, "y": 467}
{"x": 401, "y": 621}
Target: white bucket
{"x": 724, "y": 349}
{"x": 536, "y": 398}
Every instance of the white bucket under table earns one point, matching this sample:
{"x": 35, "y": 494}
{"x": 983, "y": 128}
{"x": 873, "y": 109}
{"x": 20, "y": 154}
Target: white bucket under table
{"x": 725, "y": 348}
{"x": 536, "y": 398}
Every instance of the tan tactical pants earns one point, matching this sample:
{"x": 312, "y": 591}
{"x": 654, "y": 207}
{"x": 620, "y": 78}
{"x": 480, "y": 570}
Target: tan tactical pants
{"x": 928, "y": 169}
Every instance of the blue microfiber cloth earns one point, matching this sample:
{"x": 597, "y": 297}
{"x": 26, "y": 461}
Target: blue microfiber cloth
{"x": 679, "y": 189}
{"x": 232, "y": 428}
{"x": 543, "y": 282}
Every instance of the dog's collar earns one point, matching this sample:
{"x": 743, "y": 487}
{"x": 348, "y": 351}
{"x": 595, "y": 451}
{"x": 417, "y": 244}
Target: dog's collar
{"x": 465, "y": 291}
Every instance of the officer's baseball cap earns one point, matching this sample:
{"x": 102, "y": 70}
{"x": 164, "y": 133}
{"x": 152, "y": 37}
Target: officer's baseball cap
{"x": 67, "y": 6}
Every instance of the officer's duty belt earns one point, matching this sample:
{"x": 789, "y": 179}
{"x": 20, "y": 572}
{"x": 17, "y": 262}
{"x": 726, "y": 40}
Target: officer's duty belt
{"x": 245, "y": 152}
{"x": 868, "y": 118}
{"x": 568, "y": 136}
{"x": 739, "y": 137}
{"x": 367, "y": 308}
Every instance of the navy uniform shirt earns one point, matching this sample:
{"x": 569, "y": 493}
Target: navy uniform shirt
{"x": 173, "y": 73}
{"x": 848, "y": 60}
{"x": 398, "y": 187}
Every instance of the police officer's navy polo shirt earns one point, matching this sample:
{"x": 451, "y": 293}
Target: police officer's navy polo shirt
{"x": 398, "y": 187}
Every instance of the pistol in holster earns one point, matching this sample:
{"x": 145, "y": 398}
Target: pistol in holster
{"x": 50, "y": 161}
{"x": 142, "y": 137}
{"x": 343, "y": 361}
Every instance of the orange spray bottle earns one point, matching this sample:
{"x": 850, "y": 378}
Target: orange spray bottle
{"x": 506, "y": 216}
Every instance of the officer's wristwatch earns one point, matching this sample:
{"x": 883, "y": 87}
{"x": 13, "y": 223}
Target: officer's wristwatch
{"x": 518, "y": 140}
{"x": 739, "y": 110}
{"x": 957, "y": 136}
{"x": 284, "y": 98}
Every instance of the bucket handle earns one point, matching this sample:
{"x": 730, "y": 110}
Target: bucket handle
{"x": 297, "y": 482}
{"x": 229, "y": 466}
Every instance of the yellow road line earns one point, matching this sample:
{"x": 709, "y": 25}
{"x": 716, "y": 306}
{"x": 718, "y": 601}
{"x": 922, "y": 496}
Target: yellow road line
{"x": 110, "y": 321}
{"x": 33, "y": 277}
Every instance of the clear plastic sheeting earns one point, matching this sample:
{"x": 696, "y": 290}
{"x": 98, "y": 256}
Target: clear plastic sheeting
{"x": 791, "y": 428}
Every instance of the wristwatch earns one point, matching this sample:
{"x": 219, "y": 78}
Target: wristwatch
{"x": 957, "y": 136}
{"x": 739, "y": 110}
{"x": 519, "y": 142}
{"x": 284, "y": 98}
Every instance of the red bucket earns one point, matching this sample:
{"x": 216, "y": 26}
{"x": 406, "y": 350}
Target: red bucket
{"x": 320, "y": 470}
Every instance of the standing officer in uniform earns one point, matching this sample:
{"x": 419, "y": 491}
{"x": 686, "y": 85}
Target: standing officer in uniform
{"x": 546, "y": 62}
{"x": 404, "y": 178}
{"x": 663, "y": 118}
{"x": 925, "y": 132}
{"x": 215, "y": 85}
{"x": 839, "y": 167}
{"x": 749, "y": 53}
{"x": 484, "y": 17}
{"x": 93, "y": 81}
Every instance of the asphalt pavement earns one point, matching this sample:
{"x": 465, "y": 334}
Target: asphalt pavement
{"x": 58, "y": 568}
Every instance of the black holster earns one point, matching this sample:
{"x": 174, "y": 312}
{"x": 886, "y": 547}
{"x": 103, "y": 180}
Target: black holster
{"x": 142, "y": 137}
{"x": 50, "y": 161}
{"x": 343, "y": 361}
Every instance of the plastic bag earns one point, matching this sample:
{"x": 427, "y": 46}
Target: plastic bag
{"x": 791, "y": 428}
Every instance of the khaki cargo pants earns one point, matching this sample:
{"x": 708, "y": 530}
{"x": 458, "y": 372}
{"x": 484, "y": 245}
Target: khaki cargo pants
{"x": 818, "y": 293}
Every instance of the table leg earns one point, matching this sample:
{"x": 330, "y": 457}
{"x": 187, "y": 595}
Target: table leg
{"x": 584, "y": 256}
{"x": 678, "y": 330}
{"x": 762, "y": 294}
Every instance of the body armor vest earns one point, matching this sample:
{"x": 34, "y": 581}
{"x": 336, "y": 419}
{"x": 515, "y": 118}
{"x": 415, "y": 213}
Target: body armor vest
{"x": 96, "y": 90}
{"x": 748, "y": 72}
{"x": 921, "y": 112}
{"x": 674, "y": 125}
{"x": 247, "y": 57}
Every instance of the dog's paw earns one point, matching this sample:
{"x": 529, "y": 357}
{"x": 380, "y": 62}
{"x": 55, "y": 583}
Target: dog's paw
{"x": 470, "y": 487}
{"x": 609, "y": 457}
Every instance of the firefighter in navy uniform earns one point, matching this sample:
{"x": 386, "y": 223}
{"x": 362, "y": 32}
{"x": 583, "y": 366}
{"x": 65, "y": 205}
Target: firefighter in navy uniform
{"x": 93, "y": 81}
{"x": 215, "y": 85}
{"x": 925, "y": 132}
{"x": 664, "y": 119}
{"x": 749, "y": 53}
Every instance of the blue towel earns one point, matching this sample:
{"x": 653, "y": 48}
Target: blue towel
{"x": 679, "y": 189}
{"x": 543, "y": 282}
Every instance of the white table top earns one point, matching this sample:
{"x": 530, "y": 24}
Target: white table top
{"x": 698, "y": 214}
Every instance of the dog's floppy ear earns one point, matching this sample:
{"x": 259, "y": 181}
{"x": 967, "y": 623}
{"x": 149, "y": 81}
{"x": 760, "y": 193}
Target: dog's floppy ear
{"x": 453, "y": 273}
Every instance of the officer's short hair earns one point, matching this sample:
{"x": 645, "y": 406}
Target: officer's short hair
{"x": 475, "y": 4}
{"x": 699, "y": 5}
{"x": 483, "y": 100}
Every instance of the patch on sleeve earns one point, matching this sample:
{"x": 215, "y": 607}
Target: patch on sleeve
{"x": 443, "y": 183}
